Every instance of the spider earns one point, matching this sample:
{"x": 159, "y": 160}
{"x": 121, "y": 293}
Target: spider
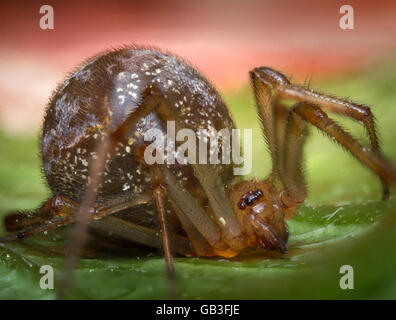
{"x": 93, "y": 157}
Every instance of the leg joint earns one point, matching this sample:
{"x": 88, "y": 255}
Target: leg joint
{"x": 270, "y": 76}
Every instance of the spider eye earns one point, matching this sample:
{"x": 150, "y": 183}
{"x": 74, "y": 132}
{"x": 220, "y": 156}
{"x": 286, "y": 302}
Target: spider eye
{"x": 250, "y": 200}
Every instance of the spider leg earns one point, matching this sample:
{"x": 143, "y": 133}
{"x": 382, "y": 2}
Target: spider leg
{"x": 200, "y": 244}
{"x": 281, "y": 113}
{"x": 54, "y": 213}
{"x": 159, "y": 197}
{"x": 274, "y": 80}
{"x": 265, "y": 109}
{"x": 36, "y": 229}
{"x": 221, "y": 205}
{"x": 296, "y": 131}
{"x": 191, "y": 210}
{"x": 139, "y": 234}
{"x": 273, "y": 116}
{"x": 201, "y": 230}
{"x": 368, "y": 157}
{"x": 290, "y": 134}
{"x": 60, "y": 211}
{"x": 55, "y": 206}
{"x": 285, "y": 137}
{"x": 131, "y": 231}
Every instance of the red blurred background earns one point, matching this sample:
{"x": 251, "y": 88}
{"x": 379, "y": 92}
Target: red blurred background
{"x": 224, "y": 39}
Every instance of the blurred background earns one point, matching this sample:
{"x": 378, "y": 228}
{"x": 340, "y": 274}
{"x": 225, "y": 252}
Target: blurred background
{"x": 343, "y": 220}
{"x": 222, "y": 38}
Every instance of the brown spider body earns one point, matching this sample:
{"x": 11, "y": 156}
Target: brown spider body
{"x": 98, "y": 97}
{"x": 92, "y": 150}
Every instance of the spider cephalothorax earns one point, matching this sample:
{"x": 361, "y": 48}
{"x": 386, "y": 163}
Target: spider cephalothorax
{"x": 261, "y": 213}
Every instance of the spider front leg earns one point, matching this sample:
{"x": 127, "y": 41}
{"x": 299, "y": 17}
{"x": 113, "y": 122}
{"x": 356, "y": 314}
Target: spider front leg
{"x": 268, "y": 80}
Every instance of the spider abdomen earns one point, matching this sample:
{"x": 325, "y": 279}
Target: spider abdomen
{"x": 99, "y": 96}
